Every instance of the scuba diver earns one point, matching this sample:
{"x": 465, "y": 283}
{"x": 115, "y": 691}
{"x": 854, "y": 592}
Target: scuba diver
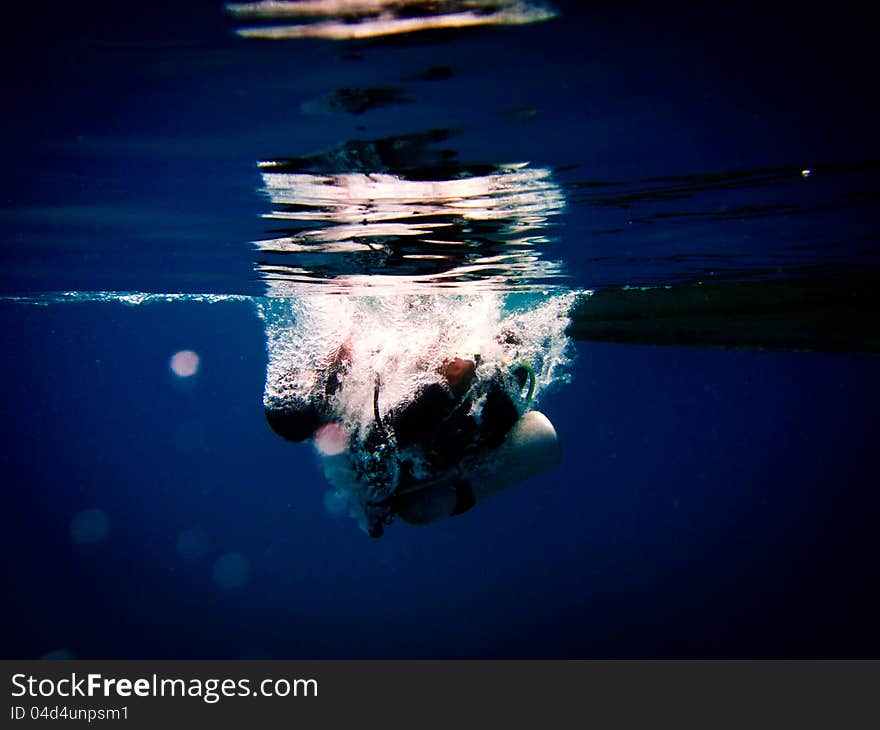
{"x": 458, "y": 431}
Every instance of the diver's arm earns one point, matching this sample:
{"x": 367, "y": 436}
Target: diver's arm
{"x": 839, "y": 314}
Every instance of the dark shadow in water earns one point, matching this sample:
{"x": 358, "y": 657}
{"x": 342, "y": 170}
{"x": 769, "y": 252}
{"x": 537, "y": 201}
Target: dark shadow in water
{"x": 833, "y": 309}
{"x": 356, "y": 101}
{"x": 434, "y": 73}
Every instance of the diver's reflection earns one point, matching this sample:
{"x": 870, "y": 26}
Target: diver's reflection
{"x": 421, "y": 405}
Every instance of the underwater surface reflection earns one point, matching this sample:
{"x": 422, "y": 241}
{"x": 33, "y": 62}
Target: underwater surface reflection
{"x": 396, "y": 213}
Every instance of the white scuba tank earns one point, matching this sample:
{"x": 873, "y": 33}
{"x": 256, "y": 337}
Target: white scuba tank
{"x": 531, "y": 447}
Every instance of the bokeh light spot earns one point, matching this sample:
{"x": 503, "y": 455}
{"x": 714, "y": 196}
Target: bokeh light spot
{"x": 331, "y": 439}
{"x": 193, "y": 544}
{"x": 231, "y": 571}
{"x": 89, "y": 526}
{"x": 185, "y": 364}
{"x": 58, "y": 655}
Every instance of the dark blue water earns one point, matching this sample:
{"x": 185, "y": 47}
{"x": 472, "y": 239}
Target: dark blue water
{"x": 710, "y": 502}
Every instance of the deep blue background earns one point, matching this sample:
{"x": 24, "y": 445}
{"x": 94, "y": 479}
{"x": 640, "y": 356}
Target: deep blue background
{"x": 711, "y": 503}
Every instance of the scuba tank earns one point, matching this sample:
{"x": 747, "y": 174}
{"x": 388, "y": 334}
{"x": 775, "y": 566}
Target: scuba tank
{"x": 530, "y": 448}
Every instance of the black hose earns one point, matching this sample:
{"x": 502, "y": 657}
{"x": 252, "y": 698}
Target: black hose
{"x": 376, "y": 413}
